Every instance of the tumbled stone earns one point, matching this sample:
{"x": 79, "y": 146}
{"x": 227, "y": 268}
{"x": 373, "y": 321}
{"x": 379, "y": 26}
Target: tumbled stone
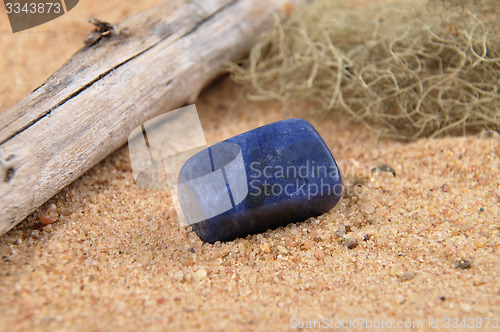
{"x": 268, "y": 177}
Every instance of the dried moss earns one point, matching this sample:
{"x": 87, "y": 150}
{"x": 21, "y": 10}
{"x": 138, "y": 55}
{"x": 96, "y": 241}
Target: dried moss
{"x": 407, "y": 70}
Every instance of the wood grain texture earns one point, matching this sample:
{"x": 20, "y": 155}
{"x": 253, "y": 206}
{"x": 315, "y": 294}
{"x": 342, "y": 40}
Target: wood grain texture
{"x": 154, "y": 62}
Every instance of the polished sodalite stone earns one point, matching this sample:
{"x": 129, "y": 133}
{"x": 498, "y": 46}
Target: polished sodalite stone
{"x": 268, "y": 177}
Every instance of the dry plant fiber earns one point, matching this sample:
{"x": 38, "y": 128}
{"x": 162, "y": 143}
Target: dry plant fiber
{"x": 407, "y": 70}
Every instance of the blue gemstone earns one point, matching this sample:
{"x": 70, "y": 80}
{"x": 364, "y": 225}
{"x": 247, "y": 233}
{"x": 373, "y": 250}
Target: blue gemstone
{"x": 268, "y": 177}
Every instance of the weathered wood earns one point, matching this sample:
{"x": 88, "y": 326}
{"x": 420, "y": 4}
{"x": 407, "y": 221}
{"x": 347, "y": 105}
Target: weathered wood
{"x": 154, "y": 62}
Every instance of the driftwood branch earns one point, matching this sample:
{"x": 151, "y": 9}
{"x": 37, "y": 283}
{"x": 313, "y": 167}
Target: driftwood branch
{"x": 153, "y": 62}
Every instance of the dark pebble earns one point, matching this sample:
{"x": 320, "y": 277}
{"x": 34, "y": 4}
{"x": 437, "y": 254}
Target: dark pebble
{"x": 385, "y": 168}
{"x": 262, "y": 179}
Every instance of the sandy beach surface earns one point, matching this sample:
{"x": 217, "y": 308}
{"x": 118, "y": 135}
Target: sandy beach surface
{"x": 416, "y": 249}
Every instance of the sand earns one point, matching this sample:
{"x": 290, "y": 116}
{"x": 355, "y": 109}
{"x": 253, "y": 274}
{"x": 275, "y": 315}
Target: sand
{"x": 29, "y": 57}
{"x": 413, "y": 248}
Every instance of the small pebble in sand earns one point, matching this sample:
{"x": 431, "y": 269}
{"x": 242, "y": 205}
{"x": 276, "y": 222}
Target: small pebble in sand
{"x": 236, "y": 155}
{"x": 369, "y": 209}
{"x": 463, "y": 264}
{"x": 66, "y": 211}
{"x": 481, "y": 242}
{"x": 282, "y": 249}
{"x": 200, "y": 274}
{"x": 265, "y": 247}
{"x": 320, "y": 255}
{"x": 307, "y": 245}
{"x": 350, "y": 243}
{"x": 341, "y": 231}
{"x": 47, "y": 219}
{"x": 187, "y": 260}
{"x": 445, "y": 187}
{"x": 53, "y": 208}
{"x": 478, "y": 281}
{"x": 385, "y": 168}
{"x": 153, "y": 224}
